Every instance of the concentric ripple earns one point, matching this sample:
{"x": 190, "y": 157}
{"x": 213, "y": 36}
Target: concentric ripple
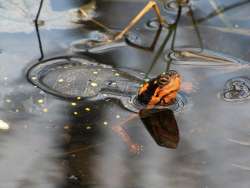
{"x": 82, "y": 78}
{"x": 172, "y": 6}
{"x": 134, "y": 105}
{"x": 152, "y": 24}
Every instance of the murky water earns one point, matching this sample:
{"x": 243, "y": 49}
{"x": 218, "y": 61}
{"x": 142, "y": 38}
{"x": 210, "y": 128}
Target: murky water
{"x": 57, "y": 128}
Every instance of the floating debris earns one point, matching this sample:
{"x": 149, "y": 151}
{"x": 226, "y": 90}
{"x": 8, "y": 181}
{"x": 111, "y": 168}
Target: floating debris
{"x": 86, "y": 11}
{"x": 201, "y": 58}
{"x": 236, "y": 89}
{"x": 242, "y": 167}
{"x": 243, "y": 143}
{"x": 101, "y": 42}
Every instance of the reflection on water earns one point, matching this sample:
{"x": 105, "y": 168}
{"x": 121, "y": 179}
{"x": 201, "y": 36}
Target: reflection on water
{"x": 162, "y": 126}
{"x": 48, "y": 142}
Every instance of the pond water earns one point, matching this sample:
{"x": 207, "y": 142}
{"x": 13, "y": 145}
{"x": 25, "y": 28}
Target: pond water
{"x": 58, "y": 117}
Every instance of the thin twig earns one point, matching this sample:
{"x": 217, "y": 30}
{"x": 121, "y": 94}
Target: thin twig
{"x": 37, "y": 30}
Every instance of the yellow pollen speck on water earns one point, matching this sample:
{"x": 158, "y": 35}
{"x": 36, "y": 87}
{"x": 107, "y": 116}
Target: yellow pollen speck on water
{"x": 40, "y": 101}
{"x": 45, "y": 110}
{"x": 87, "y": 109}
{"x": 33, "y": 77}
{"x": 60, "y": 80}
{"x": 93, "y": 84}
{"x": 8, "y": 100}
{"x": 66, "y": 127}
{"x": 95, "y": 72}
{"x": 78, "y": 98}
{"x": 88, "y": 127}
{"x": 4, "y": 125}
{"x": 105, "y": 123}
{"x": 75, "y": 113}
{"x": 117, "y": 74}
{"x": 73, "y": 104}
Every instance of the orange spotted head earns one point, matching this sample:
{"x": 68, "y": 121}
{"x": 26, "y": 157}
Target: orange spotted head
{"x": 161, "y": 90}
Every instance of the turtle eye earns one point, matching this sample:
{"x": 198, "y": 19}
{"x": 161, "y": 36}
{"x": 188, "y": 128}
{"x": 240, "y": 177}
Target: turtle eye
{"x": 172, "y": 72}
{"x": 164, "y": 80}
